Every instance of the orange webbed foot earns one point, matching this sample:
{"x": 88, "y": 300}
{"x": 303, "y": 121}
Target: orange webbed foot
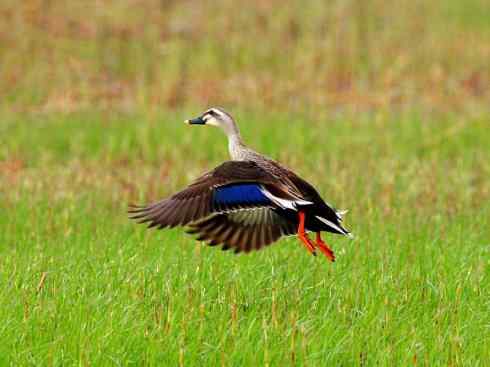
{"x": 303, "y": 237}
{"x": 327, "y": 251}
{"x": 307, "y": 243}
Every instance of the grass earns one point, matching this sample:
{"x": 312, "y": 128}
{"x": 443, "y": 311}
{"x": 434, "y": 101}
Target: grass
{"x": 383, "y": 106}
{"x": 83, "y": 285}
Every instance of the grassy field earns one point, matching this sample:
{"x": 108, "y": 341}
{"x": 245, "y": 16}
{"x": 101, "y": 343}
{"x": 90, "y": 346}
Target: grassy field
{"x": 385, "y": 108}
{"x": 83, "y": 285}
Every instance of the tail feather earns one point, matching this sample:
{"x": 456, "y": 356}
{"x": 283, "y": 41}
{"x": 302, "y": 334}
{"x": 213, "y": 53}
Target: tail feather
{"x": 341, "y": 213}
{"x": 336, "y": 227}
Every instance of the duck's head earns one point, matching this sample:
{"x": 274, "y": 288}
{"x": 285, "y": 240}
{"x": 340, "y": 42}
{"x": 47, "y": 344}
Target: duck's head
{"x": 215, "y": 117}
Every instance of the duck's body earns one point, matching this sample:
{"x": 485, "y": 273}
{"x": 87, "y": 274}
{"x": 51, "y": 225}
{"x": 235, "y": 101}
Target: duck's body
{"x": 246, "y": 203}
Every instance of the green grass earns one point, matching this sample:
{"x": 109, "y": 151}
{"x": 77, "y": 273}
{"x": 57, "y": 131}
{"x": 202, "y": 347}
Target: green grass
{"x": 83, "y": 285}
{"x": 383, "y": 106}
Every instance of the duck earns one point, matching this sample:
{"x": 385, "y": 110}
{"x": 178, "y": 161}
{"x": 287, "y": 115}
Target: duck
{"x": 246, "y": 203}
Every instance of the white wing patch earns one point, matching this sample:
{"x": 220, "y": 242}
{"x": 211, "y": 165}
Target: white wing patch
{"x": 284, "y": 203}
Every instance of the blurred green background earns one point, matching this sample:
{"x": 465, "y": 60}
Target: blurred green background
{"x": 332, "y": 57}
{"x": 383, "y": 106}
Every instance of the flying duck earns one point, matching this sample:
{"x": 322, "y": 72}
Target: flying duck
{"x": 246, "y": 203}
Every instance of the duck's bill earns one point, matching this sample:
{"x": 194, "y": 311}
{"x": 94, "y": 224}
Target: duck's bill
{"x": 196, "y": 121}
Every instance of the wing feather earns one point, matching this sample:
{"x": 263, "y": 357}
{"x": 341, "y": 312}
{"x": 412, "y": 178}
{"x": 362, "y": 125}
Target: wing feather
{"x": 244, "y": 230}
{"x": 196, "y": 201}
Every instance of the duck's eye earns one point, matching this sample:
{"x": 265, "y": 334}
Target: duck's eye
{"x": 212, "y": 113}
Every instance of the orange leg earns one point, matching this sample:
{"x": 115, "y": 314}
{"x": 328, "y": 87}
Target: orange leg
{"x": 303, "y": 237}
{"x": 324, "y": 247}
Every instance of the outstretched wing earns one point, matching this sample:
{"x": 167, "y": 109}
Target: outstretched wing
{"x": 234, "y": 185}
{"x": 243, "y": 230}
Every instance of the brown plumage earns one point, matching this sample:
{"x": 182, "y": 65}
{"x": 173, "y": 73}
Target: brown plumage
{"x": 195, "y": 202}
{"x": 243, "y": 230}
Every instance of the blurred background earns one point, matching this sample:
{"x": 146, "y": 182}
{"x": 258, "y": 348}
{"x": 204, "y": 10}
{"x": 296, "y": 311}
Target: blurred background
{"x": 317, "y": 57}
{"x": 383, "y": 105}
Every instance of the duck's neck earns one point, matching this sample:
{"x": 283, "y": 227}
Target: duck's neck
{"x": 236, "y": 147}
